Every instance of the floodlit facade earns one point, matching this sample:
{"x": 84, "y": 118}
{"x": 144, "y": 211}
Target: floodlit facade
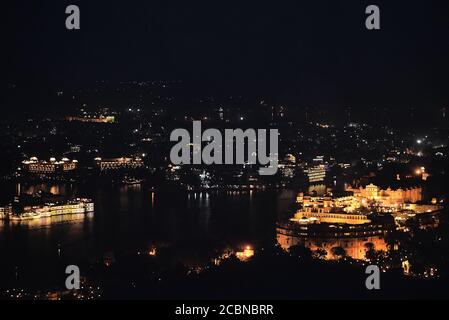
{"x": 328, "y": 215}
{"x": 316, "y": 173}
{"x": 119, "y": 163}
{"x": 74, "y": 206}
{"x": 93, "y": 119}
{"x": 36, "y": 166}
{"x": 387, "y": 197}
{"x": 316, "y": 209}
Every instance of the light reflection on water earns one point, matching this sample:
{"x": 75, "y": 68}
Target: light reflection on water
{"x": 132, "y": 217}
{"x": 48, "y": 222}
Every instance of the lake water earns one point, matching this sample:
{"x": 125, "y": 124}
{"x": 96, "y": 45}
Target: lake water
{"x": 127, "y": 219}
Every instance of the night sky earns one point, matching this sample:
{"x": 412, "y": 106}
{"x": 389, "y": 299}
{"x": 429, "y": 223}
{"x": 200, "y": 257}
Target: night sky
{"x": 316, "y": 51}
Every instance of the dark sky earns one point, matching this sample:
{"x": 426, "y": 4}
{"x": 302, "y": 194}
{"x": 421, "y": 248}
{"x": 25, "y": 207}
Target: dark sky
{"x": 317, "y": 51}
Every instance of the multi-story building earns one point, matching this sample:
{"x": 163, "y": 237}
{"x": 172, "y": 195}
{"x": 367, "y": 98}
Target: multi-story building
{"x": 387, "y": 197}
{"x": 328, "y": 215}
{"x": 328, "y": 209}
{"x": 354, "y": 246}
{"x": 27, "y": 212}
{"x": 36, "y": 166}
{"x": 343, "y": 200}
{"x": 119, "y": 163}
{"x": 5, "y": 212}
{"x": 316, "y": 173}
{"x": 94, "y": 119}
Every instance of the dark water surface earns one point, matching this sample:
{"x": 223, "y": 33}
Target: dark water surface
{"x": 128, "y": 219}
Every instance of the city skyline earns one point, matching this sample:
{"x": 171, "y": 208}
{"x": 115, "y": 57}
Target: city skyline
{"x": 264, "y": 152}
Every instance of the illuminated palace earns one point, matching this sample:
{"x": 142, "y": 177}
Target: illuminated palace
{"x": 390, "y": 198}
{"x": 353, "y": 206}
{"x": 119, "y": 163}
{"x": 49, "y": 209}
{"x": 355, "y": 247}
{"x": 34, "y": 165}
{"x": 344, "y": 227}
{"x": 327, "y": 210}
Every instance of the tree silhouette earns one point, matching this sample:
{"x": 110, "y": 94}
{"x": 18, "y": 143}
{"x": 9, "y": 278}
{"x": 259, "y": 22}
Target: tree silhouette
{"x": 338, "y": 252}
{"x": 320, "y": 254}
{"x": 370, "y": 253}
{"x": 300, "y": 251}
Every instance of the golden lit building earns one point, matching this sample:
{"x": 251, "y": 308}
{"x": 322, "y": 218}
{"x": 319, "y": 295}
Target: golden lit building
{"x": 30, "y": 212}
{"x": 93, "y": 119}
{"x": 387, "y": 197}
{"x": 328, "y": 215}
{"x": 316, "y": 173}
{"x": 317, "y": 209}
{"x": 36, "y": 166}
{"x": 324, "y": 201}
{"x": 5, "y": 212}
{"x": 354, "y": 247}
{"x": 119, "y": 163}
